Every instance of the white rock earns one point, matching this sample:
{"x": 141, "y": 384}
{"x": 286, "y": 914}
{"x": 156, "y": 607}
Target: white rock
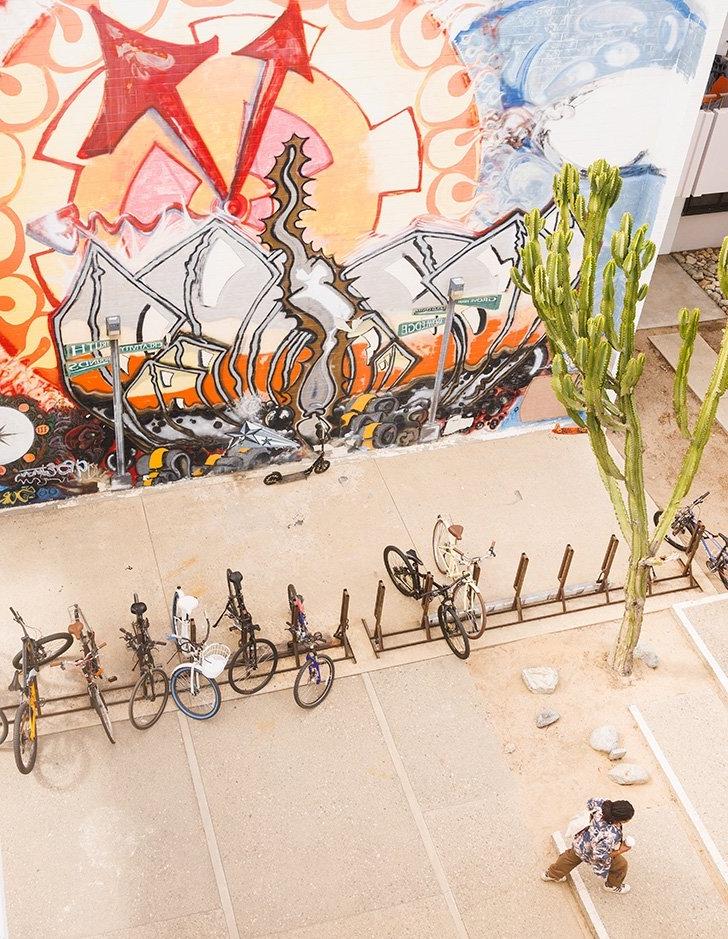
{"x": 629, "y": 774}
{"x": 605, "y": 739}
{"x": 510, "y": 748}
{"x": 546, "y": 717}
{"x": 540, "y": 680}
{"x": 617, "y": 754}
{"x": 648, "y": 656}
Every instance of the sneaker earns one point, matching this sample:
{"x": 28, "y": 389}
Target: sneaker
{"x": 622, "y": 888}
{"x": 551, "y": 880}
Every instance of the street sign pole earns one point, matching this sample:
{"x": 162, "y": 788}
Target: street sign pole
{"x": 431, "y": 430}
{"x": 122, "y": 479}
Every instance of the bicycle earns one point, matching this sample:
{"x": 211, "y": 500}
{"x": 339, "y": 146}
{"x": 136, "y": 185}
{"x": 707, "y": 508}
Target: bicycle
{"x": 34, "y": 653}
{"x": 405, "y": 572}
{"x": 683, "y": 529}
{"x": 149, "y": 696}
{"x": 255, "y": 660}
{"x": 316, "y": 676}
{"x": 451, "y": 560}
{"x": 192, "y": 683}
{"x": 90, "y": 665}
{"x": 3, "y": 727}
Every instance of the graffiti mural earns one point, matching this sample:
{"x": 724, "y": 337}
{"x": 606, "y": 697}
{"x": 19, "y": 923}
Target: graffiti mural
{"x": 273, "y": 197}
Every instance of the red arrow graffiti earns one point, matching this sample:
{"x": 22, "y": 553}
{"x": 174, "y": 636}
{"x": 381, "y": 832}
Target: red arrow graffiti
{"x": 281, "y": 48}
{"x": 142, "y": 74}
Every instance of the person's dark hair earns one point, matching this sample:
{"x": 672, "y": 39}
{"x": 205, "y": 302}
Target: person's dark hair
{"x": 619, "y": 811}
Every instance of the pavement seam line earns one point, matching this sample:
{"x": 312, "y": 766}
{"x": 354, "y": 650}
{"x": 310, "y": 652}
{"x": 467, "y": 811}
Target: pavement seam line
{"x": 415, "y": 808}
{"x": 587, "y": 904}
{"x": 154, "y": 553}
{"x": 209, "y": 829}
{"x": 677, "y": 787}
{"x": 394, "y": 501}
{"x": 700, "y": 644}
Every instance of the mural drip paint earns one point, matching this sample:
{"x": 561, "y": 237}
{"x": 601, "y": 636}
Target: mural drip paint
{"x": 273, "y": 199}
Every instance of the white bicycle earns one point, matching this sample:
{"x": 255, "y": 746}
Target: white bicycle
{"x": 192, "y": 683}
{"x": 451, "y": 560}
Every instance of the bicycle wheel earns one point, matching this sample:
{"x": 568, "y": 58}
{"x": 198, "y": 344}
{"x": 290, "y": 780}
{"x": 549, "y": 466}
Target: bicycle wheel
{"x": 47, "y": 649}
{"x": 401, "y": 570}
{"x": 148, "y": 699}
{"x": 680, "y": 534}
{"x": 99, "y": 705}
{"x": 25, "y": 743}
{"x": 469, "y": 603}
{"x": 313, "y": 682}
{"x": 440, "y": 537}
{"x": 453, "y": 630}
{"x": 722, "y": 573}
{"x": 3, "y": 727}
{"x": 198, "y": 697}
{"x": 253, "y": 666}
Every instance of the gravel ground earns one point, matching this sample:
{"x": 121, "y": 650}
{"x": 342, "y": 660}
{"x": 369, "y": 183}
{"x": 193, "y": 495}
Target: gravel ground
{"x": 702, "y": 264}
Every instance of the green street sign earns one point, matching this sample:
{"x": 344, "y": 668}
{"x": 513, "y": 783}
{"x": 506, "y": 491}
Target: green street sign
{"x": 418, "y": 326}
{"x": 132, "y": 347}
{"x": 75, "y": 349}
{"x": 86, "y": 365}
{"x": 428, "y": 309}
{"x": 488, "y": 301}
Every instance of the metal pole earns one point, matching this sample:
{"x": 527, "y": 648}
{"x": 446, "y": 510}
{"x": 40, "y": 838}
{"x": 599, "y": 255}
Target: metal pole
{"x": 431, "y": 430}
{"x": 122, "y": 479}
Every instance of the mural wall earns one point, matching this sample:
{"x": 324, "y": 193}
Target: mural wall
{"x": 273, "y": 197}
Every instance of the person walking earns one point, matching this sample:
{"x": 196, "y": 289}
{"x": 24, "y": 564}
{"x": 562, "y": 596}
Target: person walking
{"x": 600, "y": 844}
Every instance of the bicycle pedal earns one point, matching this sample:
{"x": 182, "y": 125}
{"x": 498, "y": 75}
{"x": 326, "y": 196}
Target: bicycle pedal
{"x": 112, "y": 678}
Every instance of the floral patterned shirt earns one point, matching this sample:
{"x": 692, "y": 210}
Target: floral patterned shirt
{"x": 596, "y": 843}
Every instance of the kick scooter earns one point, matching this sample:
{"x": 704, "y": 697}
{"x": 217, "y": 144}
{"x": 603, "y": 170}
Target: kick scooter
{"x": 319, "y": 465}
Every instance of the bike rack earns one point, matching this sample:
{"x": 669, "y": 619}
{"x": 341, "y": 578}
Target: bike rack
{"x": 513, "y": 610}
{"x": 340, "y": 640}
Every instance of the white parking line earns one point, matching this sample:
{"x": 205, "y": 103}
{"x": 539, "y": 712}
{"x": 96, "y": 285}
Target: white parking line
{"x": 415, "y": 809}
{"x": 677, "y": 787}
{"x": 697, "y": 640}
{"x": 598, "y": 927}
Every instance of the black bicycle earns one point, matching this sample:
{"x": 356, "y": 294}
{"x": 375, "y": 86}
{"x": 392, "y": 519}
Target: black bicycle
{"x": 90, "y": 665}
{"x": 407, "y": 573}
{"x": 683, "y": 530}
{"x": 34, "y": 653}
{"x": 255, "y": 660}
{"x": 150, "y": 693}
{"x": 316, "y": 676}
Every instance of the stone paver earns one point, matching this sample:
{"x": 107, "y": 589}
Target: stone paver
{"x": 471, "y": 802}
{"x": 308, "y": 812}
{"x": 677, "y": 723}
{"x": 101, "y": 838}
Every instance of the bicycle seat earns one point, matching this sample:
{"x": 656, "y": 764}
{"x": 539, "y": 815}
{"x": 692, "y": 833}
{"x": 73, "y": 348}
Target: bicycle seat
{"x": 235, "y": 577}
{"x": 413, "y": 554}
{"x": 456, "y": 531}
{"x": 139, "y": 608}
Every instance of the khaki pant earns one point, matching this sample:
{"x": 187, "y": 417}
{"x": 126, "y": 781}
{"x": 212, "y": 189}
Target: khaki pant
{"x": 568, "y": 860}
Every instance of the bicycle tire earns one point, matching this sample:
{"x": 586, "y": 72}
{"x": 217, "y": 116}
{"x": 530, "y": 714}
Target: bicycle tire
{"x": 722, "y": 573}
{"x": 473, "y": 606}
{"x": 439, "y": 535}
{"x": 24, "y": 761}
{"x": 453, "y": 630}
{"x": 177, "y": 687}
{"x": 99, "y": 705}
{"x": 66, "y": 640}
{"x": 145, "y": 691}
{"x": 399, "y": 579}
{"x": 3, "y": 727}
{"x": 688, "y": 526}
{"x": 266, "y": 655}
{"x": 324, "y": 684}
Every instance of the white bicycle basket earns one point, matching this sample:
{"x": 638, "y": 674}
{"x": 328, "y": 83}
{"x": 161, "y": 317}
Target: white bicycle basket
{"x": 214, "y": 658}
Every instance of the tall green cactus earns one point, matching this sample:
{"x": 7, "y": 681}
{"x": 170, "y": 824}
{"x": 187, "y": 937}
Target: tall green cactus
{"x": 596, "y": 368}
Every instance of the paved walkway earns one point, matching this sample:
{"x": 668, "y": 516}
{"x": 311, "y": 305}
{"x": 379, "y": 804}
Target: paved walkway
{"x": 394, "y": 809}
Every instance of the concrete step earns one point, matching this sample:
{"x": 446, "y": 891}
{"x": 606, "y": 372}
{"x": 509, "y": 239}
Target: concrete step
{"x": 701, "y": 367}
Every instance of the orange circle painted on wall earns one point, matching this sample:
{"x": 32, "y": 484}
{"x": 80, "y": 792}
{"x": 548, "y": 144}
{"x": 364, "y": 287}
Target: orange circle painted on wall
{"x": 42, "y": 430}
{"x": 29, "y": 458}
